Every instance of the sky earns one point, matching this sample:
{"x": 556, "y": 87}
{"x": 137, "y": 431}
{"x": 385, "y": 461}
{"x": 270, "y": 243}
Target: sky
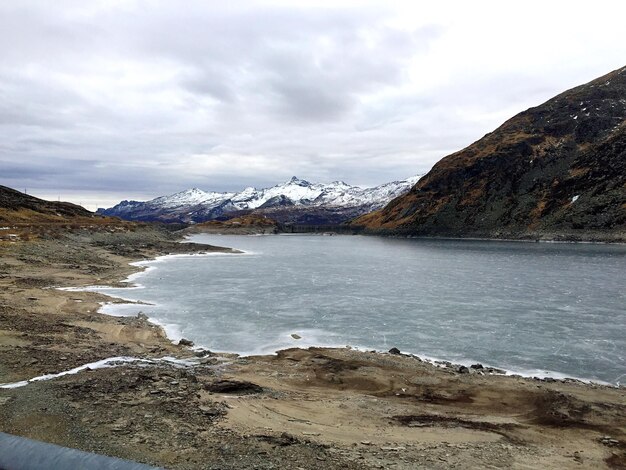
{"x": 108, "y": 100}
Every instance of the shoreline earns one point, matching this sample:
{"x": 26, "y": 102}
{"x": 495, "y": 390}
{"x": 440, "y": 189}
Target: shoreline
{"x": 336, "y": 408}
{"x": 601, "y": 239}
{"x": 487, "y": 239}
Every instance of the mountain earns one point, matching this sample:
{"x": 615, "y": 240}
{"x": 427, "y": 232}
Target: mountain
{"x": 17, "y": 207}
{"x": 555, "y": 171}
{"x": 295, "y": 201}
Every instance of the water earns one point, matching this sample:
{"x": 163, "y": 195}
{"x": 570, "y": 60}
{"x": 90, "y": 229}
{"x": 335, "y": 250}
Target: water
{"x": 533, "y": 308}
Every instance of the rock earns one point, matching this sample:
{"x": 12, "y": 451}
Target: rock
{"x": 608, "y": 441}
{"x": 463, "y": 370}
{"x": 233, "y": 386}
{"x": 296, "y": 336}
{"x": 283, "y": 440}
{"x": 185, "y": 342}
{"x": 394, "y": 351}
{"x": 203, "y": 353}
{"x": 210, "y": 411}
{"x": 477, "y": 366}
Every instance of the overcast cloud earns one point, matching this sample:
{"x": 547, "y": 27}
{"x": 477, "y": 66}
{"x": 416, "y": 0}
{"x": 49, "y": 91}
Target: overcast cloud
{"x": 109, "y": 100}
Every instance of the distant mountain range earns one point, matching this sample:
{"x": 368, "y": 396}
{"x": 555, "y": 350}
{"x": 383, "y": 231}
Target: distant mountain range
{"x": 556, "y": 171}
{"x": 295, "y": 201}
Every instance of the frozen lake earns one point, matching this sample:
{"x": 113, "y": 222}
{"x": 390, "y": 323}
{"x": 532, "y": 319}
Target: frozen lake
{"x": 532, "y": 308}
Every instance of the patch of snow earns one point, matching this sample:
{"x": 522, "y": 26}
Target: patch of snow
{"x": 104, "y": 363}
{"x": 575, "y": 198}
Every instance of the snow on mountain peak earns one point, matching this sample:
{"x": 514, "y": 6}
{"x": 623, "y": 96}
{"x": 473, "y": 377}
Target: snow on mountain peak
{"x": 188, "y": 197}
{"x": 295, "y": 193}
{"x": 297, "y": 181}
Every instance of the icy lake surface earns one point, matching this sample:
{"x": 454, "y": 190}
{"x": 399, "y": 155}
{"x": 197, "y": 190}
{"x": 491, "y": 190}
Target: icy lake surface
{"x": 533, "y": 308}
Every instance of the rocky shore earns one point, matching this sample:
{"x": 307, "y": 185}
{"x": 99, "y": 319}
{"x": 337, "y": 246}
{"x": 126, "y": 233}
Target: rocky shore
{"x": 309, "y": 409}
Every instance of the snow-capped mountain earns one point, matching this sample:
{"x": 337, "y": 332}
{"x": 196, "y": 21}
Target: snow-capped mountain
{"x": 296, "y": 201}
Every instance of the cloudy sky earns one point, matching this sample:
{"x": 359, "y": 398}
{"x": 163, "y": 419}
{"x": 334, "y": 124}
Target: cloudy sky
{"x": 108, "y": 100}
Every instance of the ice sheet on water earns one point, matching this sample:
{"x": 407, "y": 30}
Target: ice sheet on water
{"x": 506, "y": 304}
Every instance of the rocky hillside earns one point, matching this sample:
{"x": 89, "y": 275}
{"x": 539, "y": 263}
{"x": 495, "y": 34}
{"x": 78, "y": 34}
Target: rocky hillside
{"x": 247, "y": 225}
{"x": 556, "y": 171}
{"x": 294, "y": 201}
{"x": 16, "y": 206}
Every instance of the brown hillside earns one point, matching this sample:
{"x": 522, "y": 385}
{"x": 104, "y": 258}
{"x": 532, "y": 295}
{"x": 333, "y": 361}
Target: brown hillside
{"x": 554, "y": 171}
{"x": 16, "y": 207}
{"x": 24, "y": 217}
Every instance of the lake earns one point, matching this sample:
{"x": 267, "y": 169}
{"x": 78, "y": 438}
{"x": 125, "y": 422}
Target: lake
{"x": 542, "y": 309}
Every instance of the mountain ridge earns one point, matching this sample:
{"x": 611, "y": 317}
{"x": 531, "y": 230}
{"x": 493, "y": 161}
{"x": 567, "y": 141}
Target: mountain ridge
{"x": 554, "y": 171}
{"x": 294, "y": 201}
{"x": 14, "y": 203}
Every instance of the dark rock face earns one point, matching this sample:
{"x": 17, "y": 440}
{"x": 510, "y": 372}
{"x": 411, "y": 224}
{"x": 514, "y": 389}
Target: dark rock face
{"x": 553, "y": 171}
{"x": 233, "y": 387}
{"x": 277, "y": 201}
{"x": 14, "y": 200}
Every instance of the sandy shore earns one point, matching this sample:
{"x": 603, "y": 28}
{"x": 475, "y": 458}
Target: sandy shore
{"x": 311, "y": 409}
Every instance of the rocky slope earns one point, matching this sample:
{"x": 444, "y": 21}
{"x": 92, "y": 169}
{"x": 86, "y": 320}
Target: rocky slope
{"x": 295, "y": 201}
{"x": 247, "y": 225}
{"x": 555, "y": 171}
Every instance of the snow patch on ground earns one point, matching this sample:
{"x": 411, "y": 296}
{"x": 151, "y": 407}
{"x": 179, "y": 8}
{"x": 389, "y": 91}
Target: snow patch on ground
{"x": 102, "y": 364}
